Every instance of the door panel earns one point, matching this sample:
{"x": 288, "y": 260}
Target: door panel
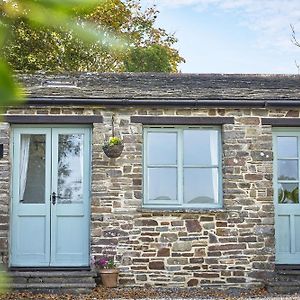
{"x": 286, "y": 196}
{"x": 47, "y": 230}
{"x": 285, "y": 240}
{"x": 70, "y": 181}
{"x": 32, "y": 226}
{"x": 31, "y": 189}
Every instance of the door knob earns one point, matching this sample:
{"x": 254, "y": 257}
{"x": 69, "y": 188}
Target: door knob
{"x": 53, "y": 197}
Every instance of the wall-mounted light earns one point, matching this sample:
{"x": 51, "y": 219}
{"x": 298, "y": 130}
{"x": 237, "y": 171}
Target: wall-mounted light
{"x": 1, "y": 151}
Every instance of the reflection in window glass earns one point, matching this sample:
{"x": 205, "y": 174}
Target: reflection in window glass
{"x": 70, "y": 168}
{"x": 32, "y": 168}
{"x": 287, "y": 147}
{"x": 162, "y": 183}
{"x": 200, "y": 147}
{"x": 200, "y": 185}
{"x": 162, "y": 148}
{"x": 287, "y": 169}
{"x": 288, "y": 193}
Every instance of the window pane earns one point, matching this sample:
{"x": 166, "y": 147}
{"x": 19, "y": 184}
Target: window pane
{"x": 162, "y": 183}
{"x": 162, "y": 148}
{"x": 200, "y": 147}
{"x": 288, "y": 193}
{"x": 287, "y": 169}
{"x": 287, "y": 146}
{"x": 70, "y": 168}
{"x": 201, "y": 185}
{"x": 32, "y": 168}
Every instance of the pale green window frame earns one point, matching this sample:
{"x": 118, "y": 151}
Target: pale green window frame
{"x": 179, "y": 203}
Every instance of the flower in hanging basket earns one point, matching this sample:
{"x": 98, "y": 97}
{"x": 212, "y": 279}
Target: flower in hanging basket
{"x": 114, "y": 147}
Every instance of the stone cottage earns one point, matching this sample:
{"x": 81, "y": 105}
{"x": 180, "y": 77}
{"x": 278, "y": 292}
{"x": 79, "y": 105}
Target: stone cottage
{"x": 205, "y": 192}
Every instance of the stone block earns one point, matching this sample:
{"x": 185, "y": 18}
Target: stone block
{"x": 177, "y": 261}
{"x": 163, "y": 252}
{"x": 114, "y": 233}
{"x": 168, "y": 237}
{"x": 193, "y": 225}
{"x": 193, "y": 282}
{"x": 249, "y": 120}
{"x": 182, "y": 246}
{"x": 141, "y": 277}
{"x": 156, "y": 265}
{"x": 145, "y": 222}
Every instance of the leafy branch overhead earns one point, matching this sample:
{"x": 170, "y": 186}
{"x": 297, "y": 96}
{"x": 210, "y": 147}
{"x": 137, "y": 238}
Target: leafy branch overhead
{"x": 100, "y": 36}
{"x": 80, "y": 35}
{"x": 38, "y": 16}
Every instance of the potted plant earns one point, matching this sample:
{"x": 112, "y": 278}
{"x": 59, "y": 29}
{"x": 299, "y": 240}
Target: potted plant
{"x": 114, "y": 147}
{"x": 106, "y": 268}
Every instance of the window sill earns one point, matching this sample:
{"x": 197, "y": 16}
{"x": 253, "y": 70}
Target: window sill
{"x": 181, "y": 210}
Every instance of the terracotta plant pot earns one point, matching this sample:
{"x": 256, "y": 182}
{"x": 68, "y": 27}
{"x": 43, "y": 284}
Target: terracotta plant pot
{"x": 109, "y": 277}
{"x": 113, "y": 151}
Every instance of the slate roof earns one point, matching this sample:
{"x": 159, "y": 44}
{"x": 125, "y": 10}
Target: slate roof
{"x": 163, "y": 89}
{"x": 156, "y": 86}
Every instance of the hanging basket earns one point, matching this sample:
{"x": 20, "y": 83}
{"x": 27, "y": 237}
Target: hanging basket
{"x": 113, "y": 151}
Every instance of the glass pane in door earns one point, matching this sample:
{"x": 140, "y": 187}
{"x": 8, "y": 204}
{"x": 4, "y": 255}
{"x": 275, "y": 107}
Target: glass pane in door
{"x": 32, "y": 168}
{"x": 70, "y": 168}
{"x": 287, "y": 147}
{"x": 288, "y": 193}
{"x": 287, "y": 169}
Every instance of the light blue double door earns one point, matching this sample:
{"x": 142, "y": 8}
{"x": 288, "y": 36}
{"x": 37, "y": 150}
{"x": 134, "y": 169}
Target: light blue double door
{"x": 50, "y": 197}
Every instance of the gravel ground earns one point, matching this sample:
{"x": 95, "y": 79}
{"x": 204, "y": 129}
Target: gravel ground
{"x": 151, "y": 293}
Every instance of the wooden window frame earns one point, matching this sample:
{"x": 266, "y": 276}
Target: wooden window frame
{"x": 179, "y": 203}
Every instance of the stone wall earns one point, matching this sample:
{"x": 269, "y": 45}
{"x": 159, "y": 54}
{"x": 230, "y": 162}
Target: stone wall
{"x": 4, "y": 192}
{"x": 232, "y": 246}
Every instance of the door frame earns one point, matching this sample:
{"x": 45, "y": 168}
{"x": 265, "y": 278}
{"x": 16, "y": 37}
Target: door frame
{"x": 286, "y": 131}
{"x": 12, "y": 167}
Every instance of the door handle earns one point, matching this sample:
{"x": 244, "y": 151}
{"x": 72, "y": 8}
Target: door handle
{"x": 53, "y": 198}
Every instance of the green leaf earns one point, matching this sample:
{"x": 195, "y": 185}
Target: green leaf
{"x": 11, "y": 92}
